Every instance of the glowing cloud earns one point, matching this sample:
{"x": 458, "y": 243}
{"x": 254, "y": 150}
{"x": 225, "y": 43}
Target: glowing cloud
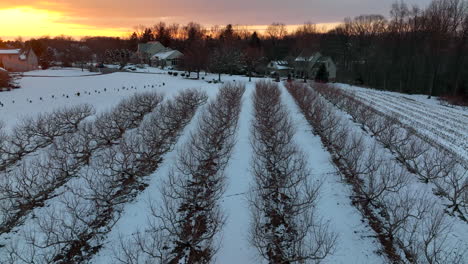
{"x": 27, "y": 21}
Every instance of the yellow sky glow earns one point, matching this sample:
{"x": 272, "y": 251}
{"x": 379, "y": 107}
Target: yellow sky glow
{"x": 31, "y": 22}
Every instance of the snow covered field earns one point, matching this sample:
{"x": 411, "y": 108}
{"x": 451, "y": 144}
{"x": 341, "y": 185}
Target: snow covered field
{"x": 441, "y": 124}
{"x": 356, "y": 243}
{"x": 61, "y": 72}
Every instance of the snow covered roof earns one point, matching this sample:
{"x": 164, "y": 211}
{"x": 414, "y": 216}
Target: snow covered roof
{"x": 280, "y": 62}
{"x": 168, "y": 54}
{"x": 151, "y": 47}
{"x": 280, "y": 65}
{"x": 9, "y": 51}
{"x": 313, "y": 57}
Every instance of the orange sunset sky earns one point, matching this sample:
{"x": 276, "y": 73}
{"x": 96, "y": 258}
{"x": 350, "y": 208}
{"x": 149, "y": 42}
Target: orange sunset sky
{"x": 33, "y": 18}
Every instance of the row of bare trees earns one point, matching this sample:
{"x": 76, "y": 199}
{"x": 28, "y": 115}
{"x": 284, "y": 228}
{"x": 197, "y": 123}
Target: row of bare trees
{"x": 32, "y": 134}
{"x": 285, "y": 227}
{"x": 73, "y": 228}
{"x": 410, "y": 224}
{"x": 430, "y": 162}
{"x": 36, "y": 178}
{"x": 185, "y": 223}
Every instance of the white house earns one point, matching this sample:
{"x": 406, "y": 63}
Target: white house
{"x": 147, "y": 50}
{"x": 156, "y": 54}
{"x": 167, "y": 57}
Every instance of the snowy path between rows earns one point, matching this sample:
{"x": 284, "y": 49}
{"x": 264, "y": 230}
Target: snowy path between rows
{"x": 235, "y": 246}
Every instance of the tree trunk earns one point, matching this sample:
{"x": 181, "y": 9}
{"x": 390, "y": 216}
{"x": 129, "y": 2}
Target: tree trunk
{"x": 432, "y": 82}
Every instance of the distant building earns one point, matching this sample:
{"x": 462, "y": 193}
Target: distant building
{"x": 167, "y": 57}
{"x": 279, "y": 67}
{"x": 309, "y": 65}
{"x": 15, "y": 60}
{"x": 155, "y": 54}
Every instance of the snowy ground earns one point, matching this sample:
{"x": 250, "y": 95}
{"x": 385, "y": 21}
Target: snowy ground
{"x": 356, "y": 242}
{"x": 61, "y": 72}
{"x": 445, "y": 125}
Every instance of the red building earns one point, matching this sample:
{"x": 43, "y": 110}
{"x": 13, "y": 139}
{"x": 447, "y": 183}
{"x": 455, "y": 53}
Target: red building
{"x": 15, "y": 60}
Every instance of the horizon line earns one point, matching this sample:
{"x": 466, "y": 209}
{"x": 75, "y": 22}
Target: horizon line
{"x": 120, "y": 33}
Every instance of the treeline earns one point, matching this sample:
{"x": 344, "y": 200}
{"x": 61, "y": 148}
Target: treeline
{"x": 415, "y": 50}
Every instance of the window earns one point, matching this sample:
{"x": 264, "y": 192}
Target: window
{"x": 175, "y": 62}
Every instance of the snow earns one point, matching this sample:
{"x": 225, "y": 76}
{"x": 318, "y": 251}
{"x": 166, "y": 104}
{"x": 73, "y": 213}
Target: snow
{"x": 25, "y": 101}
{"x": 445, "y": 126}
{"x": 136, "y": 215}
{"x": 356, "y": 242}
{"x": 60, "y": 72}
{"x": 164, "y": 54}
{"x": 235, "y": 247}
{"x": 9, "y": 51}
{"x": 454, "y": 234}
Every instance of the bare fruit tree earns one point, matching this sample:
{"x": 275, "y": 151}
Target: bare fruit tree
{"x": 33, "y": 134}
{"x": 285, "y": 227}
{"x": 35, "y": 180}
{"x": 186, "y": 222}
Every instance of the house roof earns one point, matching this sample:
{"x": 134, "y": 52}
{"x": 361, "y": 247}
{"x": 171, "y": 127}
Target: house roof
{"x": 280, "y": 62}
{"x": 166, "y": 55}
{"x": 9, "y": 51}
{"x": 280, "y": 65}
{"x": 151, "y": 47}
{"x": 312, "y": 58}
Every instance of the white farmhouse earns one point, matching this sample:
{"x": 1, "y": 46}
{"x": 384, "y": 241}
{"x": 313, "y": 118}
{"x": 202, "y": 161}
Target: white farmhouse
{"x": 168, "y": 57}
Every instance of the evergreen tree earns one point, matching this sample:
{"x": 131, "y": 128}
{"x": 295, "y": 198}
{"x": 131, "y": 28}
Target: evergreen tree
{"x": 322, "y": 74}
{"x": 254, "y": 41}
{"x": 46, "y": 59}
{"x": 5, "y": 79}
{"x": 147, "y": 36}
{"x": 133, "y": 42}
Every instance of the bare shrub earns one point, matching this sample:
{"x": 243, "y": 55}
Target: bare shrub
{"x": 92, "y": 204}
{"x": 454, "y": 187}
{"x": 284, "y": 226}
{"x": 3, "y": 142}
{"x": 410, "y": 225}
{"x": 380, "y": 179}
{"x": 34, "y": 181}
{"x": 40, "y": 132}
{"x": 350, "y": 153}
{"x": 185, "y": 223}
{"x": 133, "y": 109}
